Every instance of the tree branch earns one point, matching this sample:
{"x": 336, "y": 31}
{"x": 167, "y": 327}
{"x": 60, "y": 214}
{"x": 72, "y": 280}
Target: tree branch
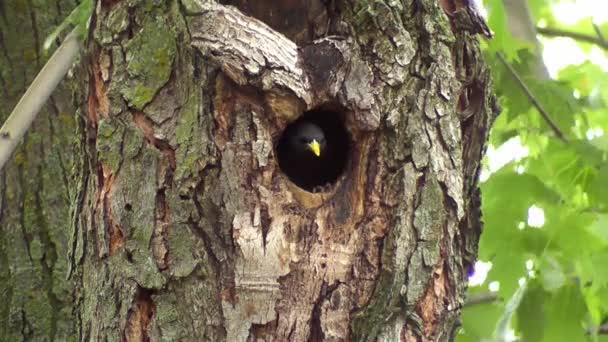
{"x": 599, "y": 33}
{"x": 480, "y": 298}
{"x": 599, "y": 330}
{"x": 532, "y": 98}
{"x": 36, "y": 95}
{"x": 553, "y": 32}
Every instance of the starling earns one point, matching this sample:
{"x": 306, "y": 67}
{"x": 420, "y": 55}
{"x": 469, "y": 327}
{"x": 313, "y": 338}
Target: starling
{"x": 313, "y": 150}
{"x": 305, "y": 155}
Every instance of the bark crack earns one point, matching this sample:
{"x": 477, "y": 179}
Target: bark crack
{"x": 139, "y": 317}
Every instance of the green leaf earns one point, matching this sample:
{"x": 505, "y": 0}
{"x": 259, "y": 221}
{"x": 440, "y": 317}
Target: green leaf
{"x": 507, "y": 197}
{"x": 502, "y": 41}
{"x": 79, "y": 18}
{"x": 601, "y": 143}
{"x": 597, "y": 188}
{"x": 585, "y": 77}
{"x": 541, "y": 9}
{"x": 551, "y": 274}
{"x": 567, "y": 168}
{"x": 568, "y": 231}
{"x": 479, "y": 320}
{"x": 565, "y": 315}
{"x": 557, "y": 100}
{"x": 513, "y": 97}
{"x": 599, "y": 228}
{"x": 530, "y": 319}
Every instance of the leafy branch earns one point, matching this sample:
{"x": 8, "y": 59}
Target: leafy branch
{"x": 532, "y": 98}
{"x": 79, "y": 18}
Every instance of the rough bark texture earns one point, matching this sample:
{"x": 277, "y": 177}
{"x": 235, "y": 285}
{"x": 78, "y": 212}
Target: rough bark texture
{"x": 35, "y": 298}
{"x": 186, "y": 229}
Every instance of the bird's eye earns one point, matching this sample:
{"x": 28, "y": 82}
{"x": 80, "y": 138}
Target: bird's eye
{"x": 303, "y": 141}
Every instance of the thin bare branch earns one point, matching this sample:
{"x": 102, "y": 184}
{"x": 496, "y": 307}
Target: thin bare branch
{"x": 553, "y": 32}
{"x": 480, "y": 298}
{"x": 36, "y": 95}
{"x": 533, "y": 99}
{"x": 599, "y": 330}
{"x": 599, "y": 33}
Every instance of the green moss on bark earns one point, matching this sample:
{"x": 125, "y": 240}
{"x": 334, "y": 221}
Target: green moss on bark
{"x": 149, "y": 57}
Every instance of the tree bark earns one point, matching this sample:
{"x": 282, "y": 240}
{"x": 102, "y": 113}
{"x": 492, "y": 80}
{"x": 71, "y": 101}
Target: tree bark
{"x": 35, "y": 223}
{"x": 186, "y": 228}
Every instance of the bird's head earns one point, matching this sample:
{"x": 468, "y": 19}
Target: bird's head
{"x": 310, "y": 138}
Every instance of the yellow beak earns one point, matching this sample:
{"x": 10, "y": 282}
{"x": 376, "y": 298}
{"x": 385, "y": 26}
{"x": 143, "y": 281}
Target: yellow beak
{"x": 315, "y": 147}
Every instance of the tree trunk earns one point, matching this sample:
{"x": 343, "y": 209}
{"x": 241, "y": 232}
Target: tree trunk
{"x": 187, "y": 229}
{"x": 36, "y": 299}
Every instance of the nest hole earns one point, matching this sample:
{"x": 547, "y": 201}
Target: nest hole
{"x": 313, "y": 150}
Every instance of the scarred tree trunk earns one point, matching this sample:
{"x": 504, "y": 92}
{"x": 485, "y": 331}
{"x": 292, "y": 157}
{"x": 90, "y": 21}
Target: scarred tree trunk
{"x": 186, "y": 227}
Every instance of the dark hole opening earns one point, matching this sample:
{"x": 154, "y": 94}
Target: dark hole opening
{"x": 314, "y": 149}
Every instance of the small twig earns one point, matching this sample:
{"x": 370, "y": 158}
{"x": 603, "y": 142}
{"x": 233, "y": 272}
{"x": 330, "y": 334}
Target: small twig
{"x": 600, "y": 330}
{"x": 480, "y": 298}
{"x": 553, "y": 32}
{"x": 532, "y": 98}
{"x": 599, "y": 33}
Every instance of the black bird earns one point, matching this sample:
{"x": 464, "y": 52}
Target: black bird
{"x": 314, "y": 149}
{"x": 305, "y": 155}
